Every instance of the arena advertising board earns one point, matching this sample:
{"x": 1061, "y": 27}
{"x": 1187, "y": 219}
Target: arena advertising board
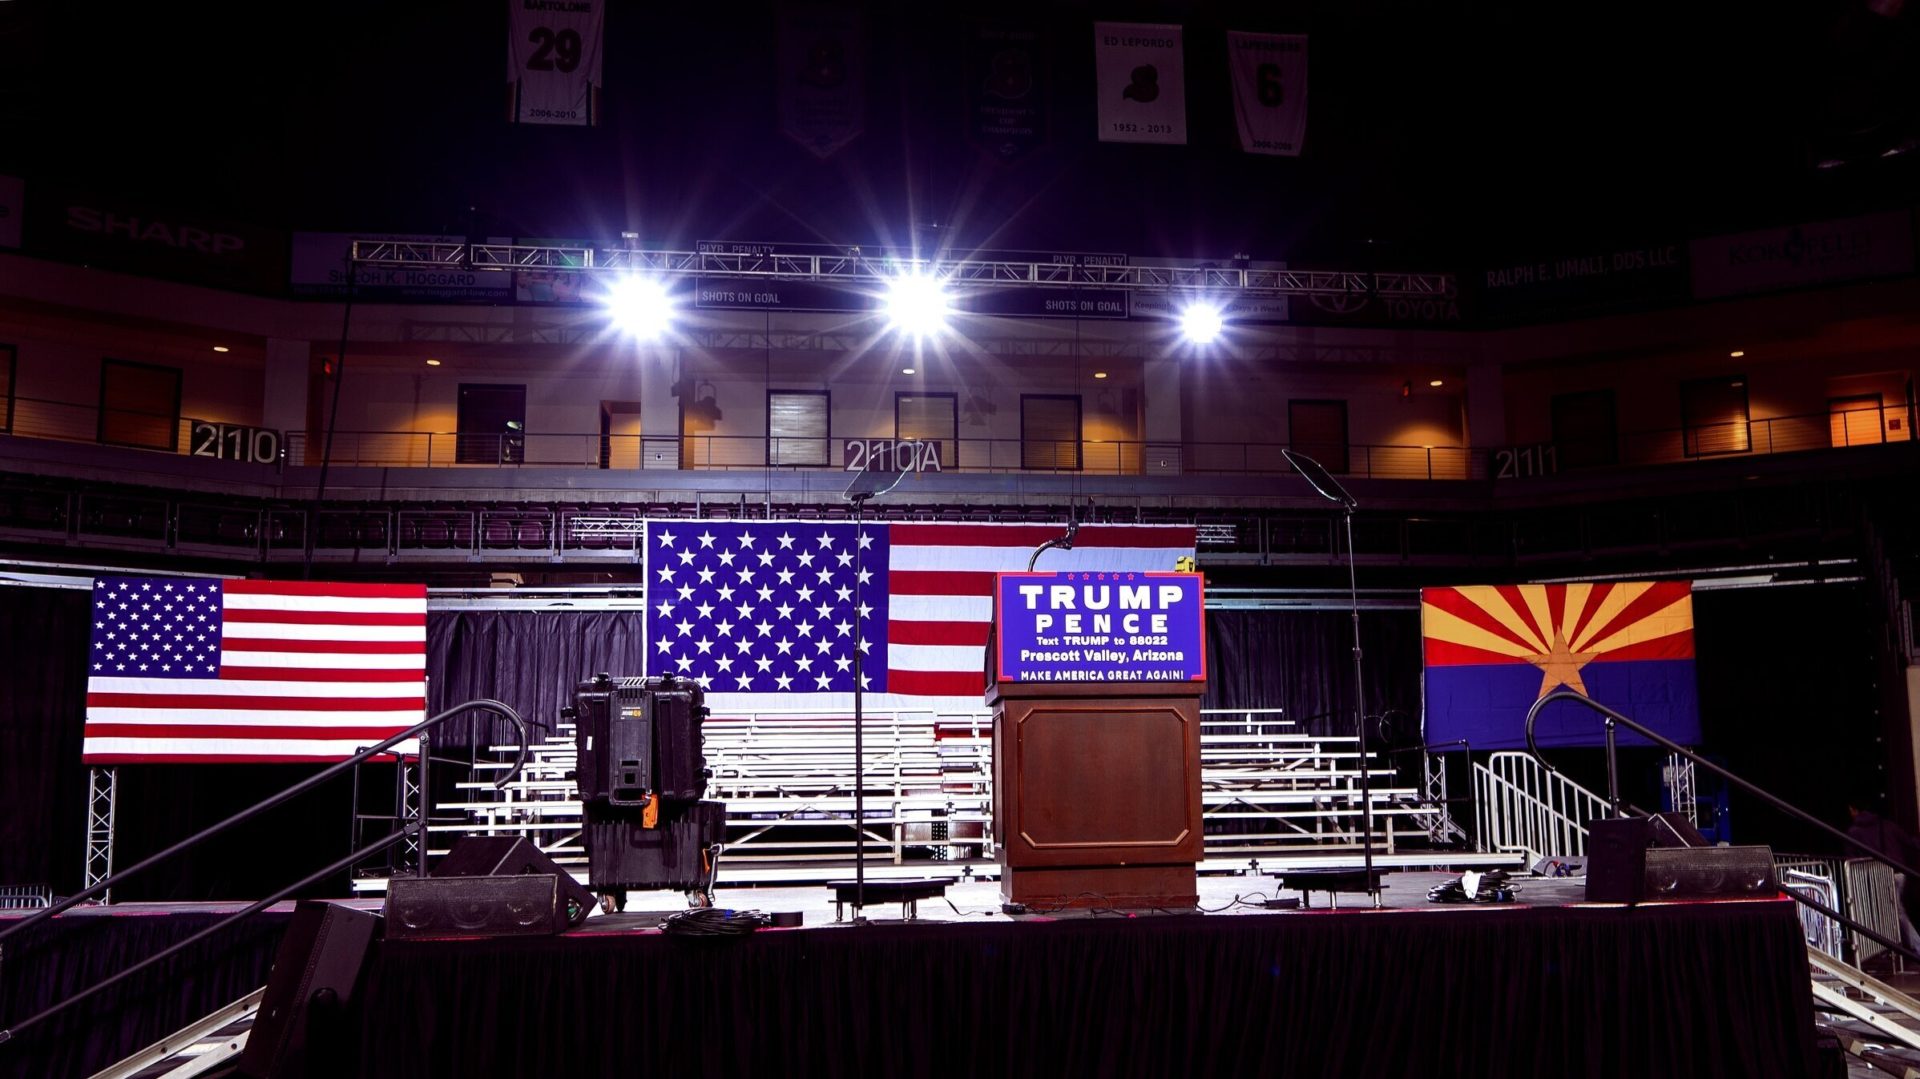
{"x": 1796, "y": 256}
{"x": 1100, "y": 627}
{"x": 146, "y": 238}
{"x": 319, "y": 269}
{"x": 1593, "y": 281}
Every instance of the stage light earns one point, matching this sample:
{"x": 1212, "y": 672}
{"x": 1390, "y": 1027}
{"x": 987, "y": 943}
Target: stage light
{"x": 906, "y": 370}
{"x": 917, "y": 304}
{"x": 1099, "y": 374}
{"x": 220, "y": 348}
{"x": 640, "y": 306}
{"x": 1438, "y": 382}
{"x": 1737, "y": 353}
{"x": 433, "y": 363}
{"x": 1200, "y": 323}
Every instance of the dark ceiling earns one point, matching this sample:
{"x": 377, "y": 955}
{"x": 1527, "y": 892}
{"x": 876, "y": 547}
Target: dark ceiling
{"x": 1440, "y": 131}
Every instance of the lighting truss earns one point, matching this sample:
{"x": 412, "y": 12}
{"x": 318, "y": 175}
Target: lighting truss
{"x": 877, "y": 272}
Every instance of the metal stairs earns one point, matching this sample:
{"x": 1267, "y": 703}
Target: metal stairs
{"x": 209, "y": 1043}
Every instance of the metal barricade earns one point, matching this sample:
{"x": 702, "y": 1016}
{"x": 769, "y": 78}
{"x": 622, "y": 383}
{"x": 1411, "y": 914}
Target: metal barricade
{"x": 25, "y": 896}
{"x": 1873, "y": 900}
{"x": 1822, "y": 933}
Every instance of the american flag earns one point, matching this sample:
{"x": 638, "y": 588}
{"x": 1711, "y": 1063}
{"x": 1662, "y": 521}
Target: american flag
{"x": 205, "y": 670}
{"x": 767, "y": 614}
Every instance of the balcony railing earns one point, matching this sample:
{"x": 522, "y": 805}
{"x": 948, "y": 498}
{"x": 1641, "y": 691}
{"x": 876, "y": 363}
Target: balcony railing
{"x": 385, "y": 449}
{"x": 68, "y": 421}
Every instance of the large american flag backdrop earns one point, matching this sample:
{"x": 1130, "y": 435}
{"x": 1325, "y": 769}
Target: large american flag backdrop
{"x": 767, "y": 614}
{"x": 188, "y": 669}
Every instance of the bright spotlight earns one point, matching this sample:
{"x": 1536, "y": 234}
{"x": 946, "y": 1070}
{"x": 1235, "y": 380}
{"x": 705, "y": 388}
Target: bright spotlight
{"x": 640, "y": 306}
{"x": 1200, "y": 323}
{"x": 917, "y": 305}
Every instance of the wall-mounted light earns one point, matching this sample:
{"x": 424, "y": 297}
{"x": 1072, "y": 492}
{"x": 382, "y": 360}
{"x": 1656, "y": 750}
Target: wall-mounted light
{"x": 1737, "y": 353}
{"x": 433, "y": 363}
{"x": 1099, "y": 374}
{"x": 1438, "y": 382}
{"x": 221, "y": 348}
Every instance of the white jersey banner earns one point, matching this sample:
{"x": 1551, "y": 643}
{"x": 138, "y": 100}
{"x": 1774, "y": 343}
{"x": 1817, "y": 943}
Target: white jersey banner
{"x": 1140, "y": 74}
{"x": 1269, "y": 91}
{"x": 823, "y": 86}
{"x": 553, "y": 60}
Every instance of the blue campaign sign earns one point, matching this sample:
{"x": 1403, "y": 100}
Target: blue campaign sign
{"x": 1100, "y": 627}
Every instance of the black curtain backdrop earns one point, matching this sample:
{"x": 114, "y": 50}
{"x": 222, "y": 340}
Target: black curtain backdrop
{"x": 1302, "y": 661}
{"x": 1789, "y": 699}
{"x": 43, "y": 788}
{"x": 1685, "y": 990}
{"x": 530, "y": 660}
{"x": 55, "y": 960}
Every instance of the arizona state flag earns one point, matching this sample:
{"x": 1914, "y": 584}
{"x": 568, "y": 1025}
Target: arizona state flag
{"x": 1491, "y": 651}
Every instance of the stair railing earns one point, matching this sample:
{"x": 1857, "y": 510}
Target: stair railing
{"x": 1612, "y": 719}
{"x": 1519, "y": 803}
{"x": 410, "y": 828}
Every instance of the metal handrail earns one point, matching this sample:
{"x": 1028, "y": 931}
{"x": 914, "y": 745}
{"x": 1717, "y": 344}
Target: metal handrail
{"x": 294, "y": 791}
{"x": 409, "y": 829}
{"x": 1612, "y": 717}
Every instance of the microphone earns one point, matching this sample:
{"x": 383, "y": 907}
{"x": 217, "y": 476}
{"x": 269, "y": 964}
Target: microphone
{"x": 1064, "y": 542}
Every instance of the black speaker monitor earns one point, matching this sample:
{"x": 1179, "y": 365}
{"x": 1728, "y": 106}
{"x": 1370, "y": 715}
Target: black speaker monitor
{"x": 1617, "y": 859}
{"x": 514, "y": 856}
{"x": 1675, "y": 830}
{"x": 506, "y": 906}
{"x": 297, "y": 1031}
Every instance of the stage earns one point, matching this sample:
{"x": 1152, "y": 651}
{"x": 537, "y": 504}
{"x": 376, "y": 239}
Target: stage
{"x": 1542, "y": 987}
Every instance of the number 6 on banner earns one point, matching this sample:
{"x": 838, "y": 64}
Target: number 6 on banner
{"x": 1269, "y": 91}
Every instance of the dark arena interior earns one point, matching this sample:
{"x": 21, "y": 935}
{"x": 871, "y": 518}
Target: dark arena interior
{"x": 1309, "y": 538}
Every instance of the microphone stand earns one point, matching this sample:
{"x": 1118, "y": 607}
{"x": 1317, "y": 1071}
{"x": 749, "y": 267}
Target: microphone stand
{"x": 1327, "y": 487}
{"x": 865, "y": 486}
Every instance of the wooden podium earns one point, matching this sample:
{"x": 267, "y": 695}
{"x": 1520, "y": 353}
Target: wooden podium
{"x": 1096, "y": 792}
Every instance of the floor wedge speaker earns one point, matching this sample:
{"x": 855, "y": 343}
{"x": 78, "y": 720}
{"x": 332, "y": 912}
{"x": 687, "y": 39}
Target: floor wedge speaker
{"x": 298, "y": 1030}
{"x": 512, "y": 856}
{"x": 515, "y": 906}
{"x": 1710, "y": 872}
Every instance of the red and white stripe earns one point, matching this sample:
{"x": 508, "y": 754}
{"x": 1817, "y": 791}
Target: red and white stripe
{"x": 309, "y": 672}
{"x": 940, "y": 604}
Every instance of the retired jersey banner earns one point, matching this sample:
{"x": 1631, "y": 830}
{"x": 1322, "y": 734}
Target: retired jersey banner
{"x": 553, "y": 60}
{"x": 1269, "y": 91}
{"x": 823, "y": 86}
{"x": 1140, "y": 73}
{"x": 1492, "y": 651}
{"x": 1006, "y": 90}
